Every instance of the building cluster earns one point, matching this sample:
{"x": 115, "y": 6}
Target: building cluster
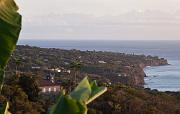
{"x": 48, "y": 84}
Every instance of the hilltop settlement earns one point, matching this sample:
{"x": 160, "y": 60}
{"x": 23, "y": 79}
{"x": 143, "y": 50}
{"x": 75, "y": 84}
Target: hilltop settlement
{"x": 46, "y": 71}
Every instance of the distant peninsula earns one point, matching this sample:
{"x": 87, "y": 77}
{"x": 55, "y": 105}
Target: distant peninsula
{"x": 108, "y": 67}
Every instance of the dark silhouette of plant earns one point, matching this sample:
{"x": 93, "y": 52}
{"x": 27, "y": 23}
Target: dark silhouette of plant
{"x": 29, "y": 85}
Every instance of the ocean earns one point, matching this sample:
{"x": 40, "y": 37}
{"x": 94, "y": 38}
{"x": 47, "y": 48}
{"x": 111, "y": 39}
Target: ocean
{"x": 162, "y": 78}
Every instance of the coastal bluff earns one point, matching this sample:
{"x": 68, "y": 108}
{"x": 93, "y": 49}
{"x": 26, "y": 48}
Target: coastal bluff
{"x": 106, "y": 67}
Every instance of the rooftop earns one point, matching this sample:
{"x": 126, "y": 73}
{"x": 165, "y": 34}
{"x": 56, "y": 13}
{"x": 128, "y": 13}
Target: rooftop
{"x": 44, "y": 82}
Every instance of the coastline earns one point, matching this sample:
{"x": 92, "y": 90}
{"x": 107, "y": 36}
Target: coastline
{"x": 114, "y": 66}
{"x": 163, "y": 78}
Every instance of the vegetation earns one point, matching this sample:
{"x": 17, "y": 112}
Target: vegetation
{"x": 10, "y": 26}
{"x": 118, "y": 67}
{"x": 121, "y": 99}
{"x": 23, "y": 95}
{"x": 75, "y": 102}
{"x": 75, "y": 66}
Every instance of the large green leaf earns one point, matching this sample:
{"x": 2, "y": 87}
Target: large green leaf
{"x": 96, "y": 91}
{"x": 87, "y": 91}
{"x": 10, "y": 26}
{"x": 67, "y": 105}
{"x": 76, "y": 102}
{"x": 83, "y": 91}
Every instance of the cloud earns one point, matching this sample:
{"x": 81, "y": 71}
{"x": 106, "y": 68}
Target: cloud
{"x": 101, "y": 19}
{"x": 95, "y": 7}
{"x": 131, "y": 25}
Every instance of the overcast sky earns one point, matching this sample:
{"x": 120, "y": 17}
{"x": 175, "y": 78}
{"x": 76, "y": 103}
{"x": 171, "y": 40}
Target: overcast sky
{"x": 100, "y": 19}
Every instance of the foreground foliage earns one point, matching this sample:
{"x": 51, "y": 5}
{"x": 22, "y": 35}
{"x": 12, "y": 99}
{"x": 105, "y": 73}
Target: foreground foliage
{"x": 119, "y": 99}
{"x": 76, "y": 102}
{"x": 10, "y": 26}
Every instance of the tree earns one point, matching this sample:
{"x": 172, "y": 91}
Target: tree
{"x": 75, "y": 66}
{"x": 19, "y": 99}
{"x": 29, "y": 85}
{"x": 18, "y": 63}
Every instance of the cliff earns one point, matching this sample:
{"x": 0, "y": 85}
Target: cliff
{"x": 137, "y": 73}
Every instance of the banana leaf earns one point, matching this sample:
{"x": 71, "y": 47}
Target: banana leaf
{"x": 76, "y": 102}
{"x": 96, "y": 91}
{"x": 67, "y": 105}
{"x": 10, "y": 26}
{"x": 83, "y": 91}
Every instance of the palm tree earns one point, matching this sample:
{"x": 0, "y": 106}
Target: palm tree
{"x": 18, "y": 63}
{"x": 75, "y": 66}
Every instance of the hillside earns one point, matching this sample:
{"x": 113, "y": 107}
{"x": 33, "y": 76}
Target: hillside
{"x": 122, "y": 73}
{"x": 121, "y": 99}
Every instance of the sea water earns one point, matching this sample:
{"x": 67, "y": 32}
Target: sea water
{"x": 162, "y": 78}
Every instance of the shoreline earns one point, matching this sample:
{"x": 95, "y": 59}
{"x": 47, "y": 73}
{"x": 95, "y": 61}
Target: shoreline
{"x": 127, "y": 68}
{"x": 147, "y": 86}
{"x": 136, "y": 72}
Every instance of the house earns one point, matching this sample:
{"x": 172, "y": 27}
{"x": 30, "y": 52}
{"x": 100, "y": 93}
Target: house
{"x": 68, "y": 71}
{"x": 102, "y": 62}
{"x": 66, "y": 63}
{"x": 46, "y": 60}
{"x": 49, "y": 85}
{"x": 124, "y": 74}
{"x": 36, "y": 67}
{"x": 127, "y": 67}
{"x": 60, "y": 70}
{"x": 119, "y": 74}
{"x": 56, "y": 70}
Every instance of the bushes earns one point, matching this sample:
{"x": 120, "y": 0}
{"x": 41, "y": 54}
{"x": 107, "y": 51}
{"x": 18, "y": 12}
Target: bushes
{"x": 127, "y": 100}
{"x": 19, "y": 99}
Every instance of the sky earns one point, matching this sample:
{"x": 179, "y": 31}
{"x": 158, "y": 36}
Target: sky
{"x": 100, "y": 19}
